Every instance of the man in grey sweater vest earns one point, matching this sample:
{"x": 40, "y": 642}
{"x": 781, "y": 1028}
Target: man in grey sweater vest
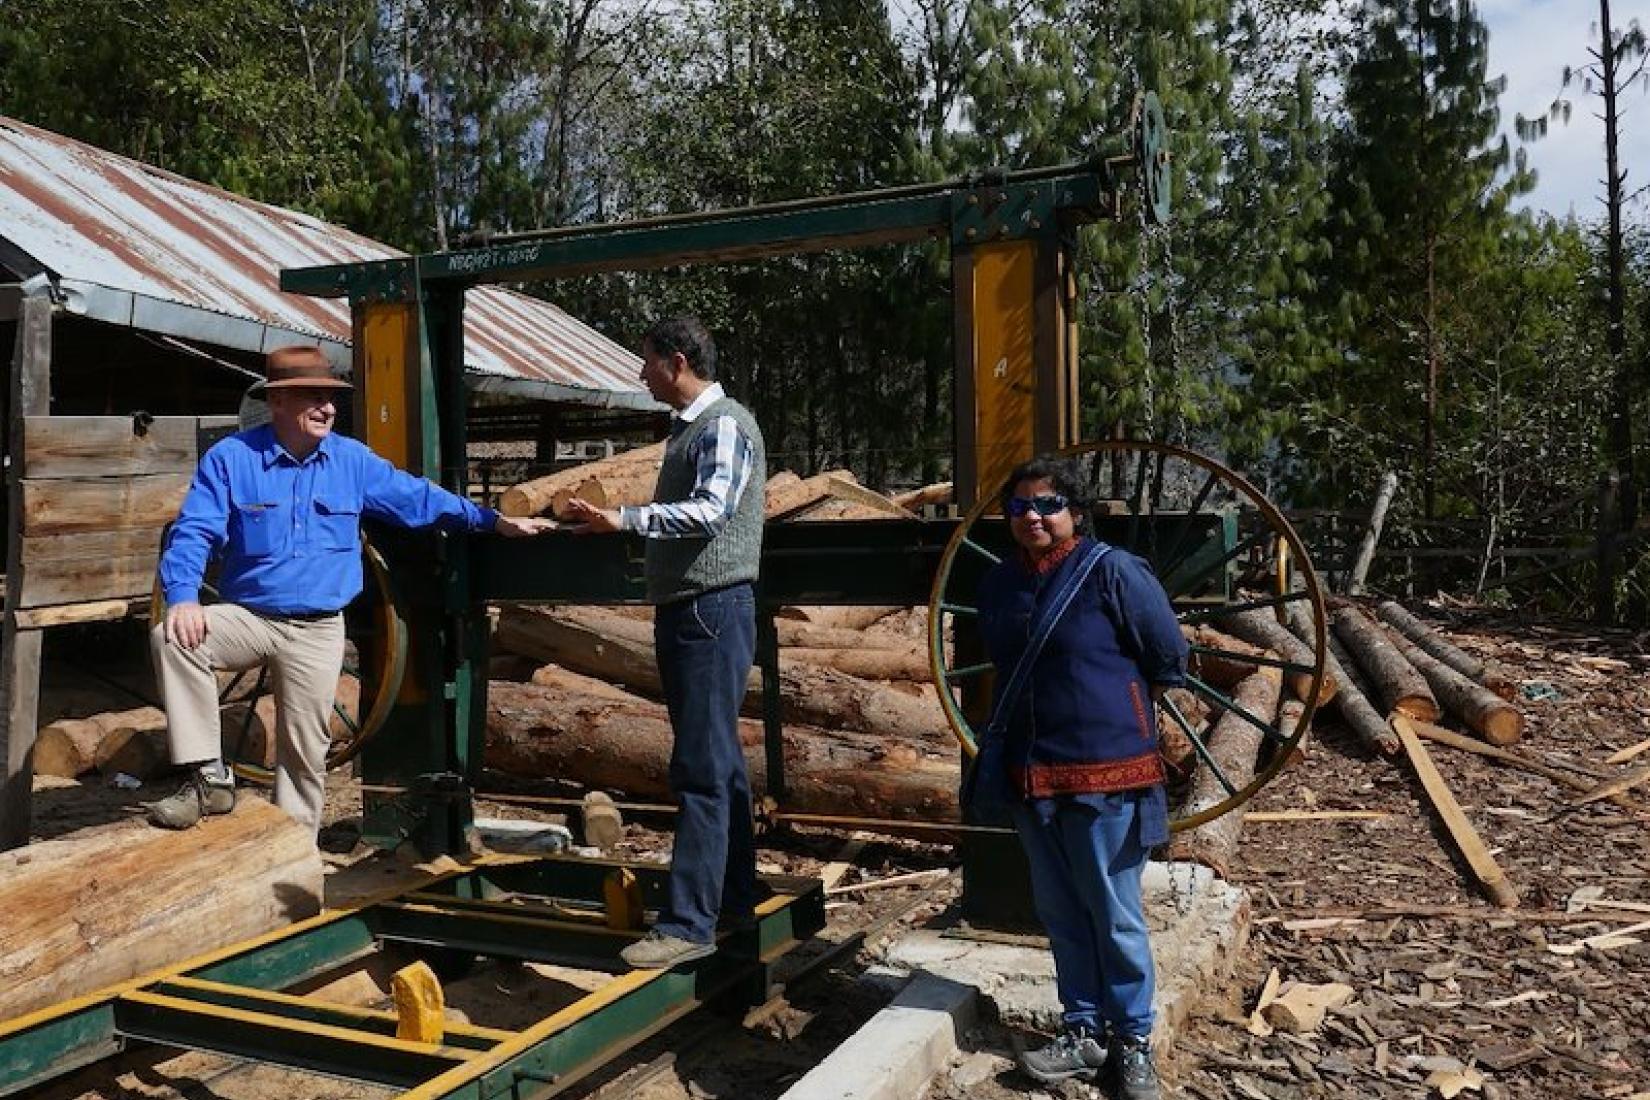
{"x": 704, "y": 542}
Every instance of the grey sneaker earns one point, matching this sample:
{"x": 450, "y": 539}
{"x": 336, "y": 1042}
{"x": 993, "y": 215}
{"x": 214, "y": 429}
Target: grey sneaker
{"x": 1075, "y": 1052}
{"x": 1136, "y": 1073}
{"x": 194, "y": 800}
{"x": 660, "y": 951}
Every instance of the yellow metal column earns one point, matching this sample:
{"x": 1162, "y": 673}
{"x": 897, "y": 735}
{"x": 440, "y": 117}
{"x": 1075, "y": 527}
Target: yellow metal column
{"x": 1016, "y": 374}
{"x": 387, "y": 357}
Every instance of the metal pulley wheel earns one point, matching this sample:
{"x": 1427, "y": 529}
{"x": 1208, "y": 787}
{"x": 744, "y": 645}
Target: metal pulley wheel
{"x": 385, "y": 634}
{"x": 1218, "y": 547}
{"x": 1151, "y": 151}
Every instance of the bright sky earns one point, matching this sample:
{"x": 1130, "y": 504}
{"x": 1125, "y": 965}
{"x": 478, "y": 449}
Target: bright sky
{"x": 1531, "y": 41}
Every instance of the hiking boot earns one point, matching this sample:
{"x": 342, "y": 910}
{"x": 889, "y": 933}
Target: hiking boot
{"x": 1075, "y": 1052}
{"x": 195, "y": 799}
{"x": 660, "y": 951}
{"x": 1136, "y": 1073}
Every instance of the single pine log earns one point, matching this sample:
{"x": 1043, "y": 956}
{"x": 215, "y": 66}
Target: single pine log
{"x": 1234, "y": 746}
{"x": 1289, "y": 716}
{"x": 843, "y": 617}
{"x": 536, "y": 731}
{"x": 1350, "y": 700}
{"x": 67, "y": 747}
{"x": 106, "y": 904}
{"x": 1260, "y": 627}
{"x": 1173, "y": 741}
{"x": 1486, "y": 713}
{"x": 532, "y": 498}
{"x": 1219, "y": 662}
{"x": 1400, "y": 687}
{"x": 937, "y": 493}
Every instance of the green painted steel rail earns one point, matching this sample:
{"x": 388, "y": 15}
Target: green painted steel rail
{"x": 229, "y": 1002}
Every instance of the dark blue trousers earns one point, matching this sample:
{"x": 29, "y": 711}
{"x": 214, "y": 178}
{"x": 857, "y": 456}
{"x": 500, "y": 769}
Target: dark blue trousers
{"x": 705, "y": 647}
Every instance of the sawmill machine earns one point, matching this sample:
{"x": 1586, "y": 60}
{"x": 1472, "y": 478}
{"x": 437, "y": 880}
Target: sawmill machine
{"x": 1218, "y": 545}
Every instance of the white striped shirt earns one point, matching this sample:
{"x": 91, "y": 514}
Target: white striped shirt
{"x": 722, "y": 460}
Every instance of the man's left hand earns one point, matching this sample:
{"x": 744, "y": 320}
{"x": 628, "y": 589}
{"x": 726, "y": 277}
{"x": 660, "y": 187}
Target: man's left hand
{"x": 591, "y": 519}
{"x": 520, "y": 527}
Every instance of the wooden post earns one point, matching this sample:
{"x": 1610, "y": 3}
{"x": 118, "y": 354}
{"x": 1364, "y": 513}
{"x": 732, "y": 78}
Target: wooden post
{"x": 1372, "y": 534}
{"x": 30, "y": 395}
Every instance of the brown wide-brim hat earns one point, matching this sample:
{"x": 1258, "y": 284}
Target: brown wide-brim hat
{"x": 297, "y": 367}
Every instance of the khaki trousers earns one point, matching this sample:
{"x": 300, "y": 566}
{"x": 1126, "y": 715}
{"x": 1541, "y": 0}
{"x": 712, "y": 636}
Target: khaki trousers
{"x": 304, "y": 658}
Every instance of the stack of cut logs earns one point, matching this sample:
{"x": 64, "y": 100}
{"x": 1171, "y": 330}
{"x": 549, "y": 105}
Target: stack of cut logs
{"x": 1385, "y": 674}
{"x": 576, "y": 690}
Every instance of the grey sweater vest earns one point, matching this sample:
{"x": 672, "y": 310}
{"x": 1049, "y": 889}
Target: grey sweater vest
{"x": 679, "y": 569}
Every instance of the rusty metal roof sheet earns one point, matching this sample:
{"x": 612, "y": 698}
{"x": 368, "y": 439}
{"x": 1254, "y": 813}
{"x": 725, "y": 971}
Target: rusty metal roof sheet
{"x": 130, "y": 244}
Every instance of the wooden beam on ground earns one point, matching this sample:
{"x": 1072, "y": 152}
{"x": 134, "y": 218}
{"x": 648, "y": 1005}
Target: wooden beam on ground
{"x": 30, "y": 395}
{"x": 1472, "y": 847}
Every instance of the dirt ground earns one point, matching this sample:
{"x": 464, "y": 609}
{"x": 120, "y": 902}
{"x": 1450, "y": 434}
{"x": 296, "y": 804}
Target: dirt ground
{"x": 1450, "y": 995}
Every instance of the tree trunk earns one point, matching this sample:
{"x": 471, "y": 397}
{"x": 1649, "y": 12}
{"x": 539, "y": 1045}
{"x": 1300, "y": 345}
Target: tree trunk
{"x": 1234, "y": 745}
{"x": 1398, "y": 684}
{"x": 937, "y": 493}
{"x": 1262, "y": 628}
{"x": 535, "y": 731}
{"x": 1179, "y": 755}
{"x": 531, "y": 498}
{"x": 1350, "y": 700}
{"x": 1214, "y": 668}
{"x": 1439, "y": 647}
{"x": 107, "y": 904}
{"x": 67, "y": 747}
{"x": 1486, "y": 713}
{"x": 789, "y": 497}
{"x": 1372, "y": 534}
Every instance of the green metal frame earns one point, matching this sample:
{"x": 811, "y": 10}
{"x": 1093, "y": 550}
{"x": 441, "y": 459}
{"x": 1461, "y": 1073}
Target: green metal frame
{"x": 229, "y": 1002}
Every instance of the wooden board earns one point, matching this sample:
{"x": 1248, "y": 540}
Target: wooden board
{"x": 107, "y": 446}
{"x": 64, "y": 505}
{"x": 95, "y": 545}
{"x": 80, "y": 580}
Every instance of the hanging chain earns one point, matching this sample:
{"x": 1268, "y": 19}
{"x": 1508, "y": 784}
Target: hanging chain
{"x": 1142, "y": 292}
{"x": 1171, "y": 305}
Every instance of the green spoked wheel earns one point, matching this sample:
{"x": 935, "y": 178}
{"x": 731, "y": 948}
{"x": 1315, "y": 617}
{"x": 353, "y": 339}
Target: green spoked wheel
{"x": 1218, "y": 547}
{"x": 385, "y": 634}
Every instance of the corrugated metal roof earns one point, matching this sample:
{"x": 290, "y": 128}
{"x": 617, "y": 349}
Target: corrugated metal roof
{"x": 134, "y": 245}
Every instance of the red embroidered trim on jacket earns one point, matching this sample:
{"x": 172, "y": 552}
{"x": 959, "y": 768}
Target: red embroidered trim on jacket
{"x": 1139, "y": 710}
{"x": 1048, "y": 780}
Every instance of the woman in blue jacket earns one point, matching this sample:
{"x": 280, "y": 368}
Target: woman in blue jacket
{"x": 1075, "y": 758}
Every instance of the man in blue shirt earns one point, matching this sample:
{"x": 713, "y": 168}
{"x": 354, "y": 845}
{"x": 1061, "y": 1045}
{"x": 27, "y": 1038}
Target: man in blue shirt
{"x": 281, "y": 506}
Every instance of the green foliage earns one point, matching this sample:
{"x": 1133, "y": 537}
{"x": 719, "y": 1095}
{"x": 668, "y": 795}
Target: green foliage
{"x": 1342, "y": 265}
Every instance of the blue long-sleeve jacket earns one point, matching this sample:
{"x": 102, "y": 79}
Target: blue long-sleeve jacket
{"x": 1084, "y": 723}
{"x": 288, "y": 531}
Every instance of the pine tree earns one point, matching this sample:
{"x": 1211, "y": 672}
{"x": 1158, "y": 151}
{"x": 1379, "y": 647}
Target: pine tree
{"x": 1421, "y": 185}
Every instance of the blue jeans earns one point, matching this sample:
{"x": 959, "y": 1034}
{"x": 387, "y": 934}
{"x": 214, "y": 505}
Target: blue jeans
{"x": 1086, "y": 862}
{"x": 705, "y": 647}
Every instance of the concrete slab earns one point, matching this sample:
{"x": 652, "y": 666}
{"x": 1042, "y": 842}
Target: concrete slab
{"x": 1199, "y": 924}
{"x": 899, "y": 1050}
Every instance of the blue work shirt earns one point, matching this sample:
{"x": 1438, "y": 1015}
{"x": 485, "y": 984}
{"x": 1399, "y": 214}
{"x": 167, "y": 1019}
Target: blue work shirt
{"x": 288, "y": 531}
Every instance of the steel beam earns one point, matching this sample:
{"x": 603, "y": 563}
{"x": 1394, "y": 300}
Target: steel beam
{"x": 966, "y": 211}
{"x": 262, "y": 1037}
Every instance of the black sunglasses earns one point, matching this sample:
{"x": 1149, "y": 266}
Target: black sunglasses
{"x": 1050, "y": 505}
